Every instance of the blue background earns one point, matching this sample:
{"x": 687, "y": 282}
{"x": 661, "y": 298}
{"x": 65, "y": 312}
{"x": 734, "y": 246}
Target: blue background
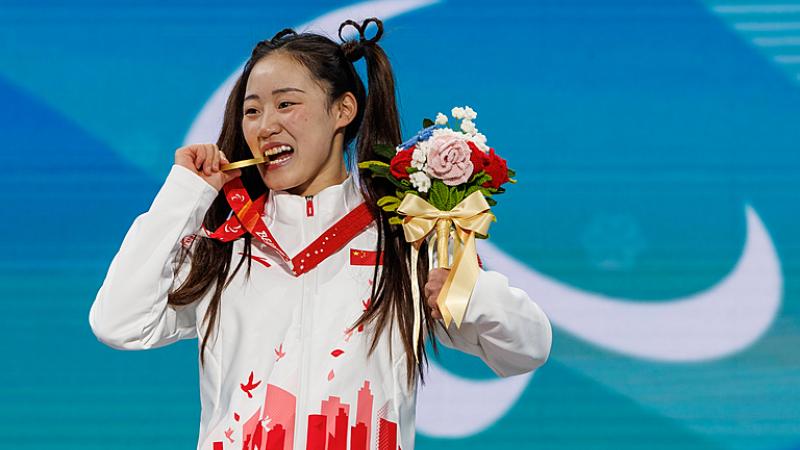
{"x": 639, "y": 130}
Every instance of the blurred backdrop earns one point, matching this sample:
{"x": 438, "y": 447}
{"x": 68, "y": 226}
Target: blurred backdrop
{"x": 655, "y": 219}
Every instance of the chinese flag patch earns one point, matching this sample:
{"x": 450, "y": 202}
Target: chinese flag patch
{"x": 364, "y": 257}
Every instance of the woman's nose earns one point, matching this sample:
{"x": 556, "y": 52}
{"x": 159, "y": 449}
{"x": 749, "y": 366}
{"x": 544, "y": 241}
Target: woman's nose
{"x": 269, "y": 126}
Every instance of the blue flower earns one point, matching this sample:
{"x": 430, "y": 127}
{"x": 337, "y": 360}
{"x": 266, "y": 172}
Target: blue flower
{"x": 422, "y": 135}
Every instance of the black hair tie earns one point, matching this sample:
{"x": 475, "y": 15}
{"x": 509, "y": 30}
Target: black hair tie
{"x": 354, "y": 50}
{"x": 282, "y": 34}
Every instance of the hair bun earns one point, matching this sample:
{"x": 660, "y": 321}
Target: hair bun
{"x": 354, "y": 50}
{"x": 282, "y": 34}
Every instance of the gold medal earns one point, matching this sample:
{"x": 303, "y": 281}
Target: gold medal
{"x": 244, "y": 163}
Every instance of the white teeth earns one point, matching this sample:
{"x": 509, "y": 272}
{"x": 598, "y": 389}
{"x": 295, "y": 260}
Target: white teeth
{"x": 276, "y": 150}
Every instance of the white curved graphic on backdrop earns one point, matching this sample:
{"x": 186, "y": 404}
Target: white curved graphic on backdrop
{"x": 724, "y": 319}
{"x": 735, "y": 312}
{"x": 207, "y": 124}
{"x": 451, "y": 406}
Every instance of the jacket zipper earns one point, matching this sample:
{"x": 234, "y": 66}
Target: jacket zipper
{"x": 309, "y": 205}
{"x": 306, "y": 326}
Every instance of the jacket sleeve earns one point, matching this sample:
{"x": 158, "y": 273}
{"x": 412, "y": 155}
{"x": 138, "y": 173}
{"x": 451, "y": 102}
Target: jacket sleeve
{"x": 131, "y": 311}
{"x": 502, "y": 326}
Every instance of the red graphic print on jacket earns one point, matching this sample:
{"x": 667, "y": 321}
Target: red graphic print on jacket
{"x": 331, "y": 429}
{"x": 328, "y": 430}
{"x": 249, "y": 386}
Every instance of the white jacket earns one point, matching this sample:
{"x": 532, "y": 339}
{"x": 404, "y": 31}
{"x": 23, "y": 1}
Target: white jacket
{"x": 284, "y": 358}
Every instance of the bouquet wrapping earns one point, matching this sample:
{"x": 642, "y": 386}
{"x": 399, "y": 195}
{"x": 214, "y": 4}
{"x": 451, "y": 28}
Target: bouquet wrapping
{"x": 446, "y": 180}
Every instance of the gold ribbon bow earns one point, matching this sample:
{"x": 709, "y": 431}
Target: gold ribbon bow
{"x": 471, "y": 216}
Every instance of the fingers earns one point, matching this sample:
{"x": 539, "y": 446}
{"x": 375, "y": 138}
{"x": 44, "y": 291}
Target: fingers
{"x": 207, "y": 158}
{"x": 431, "y": 290}
{"x": 217, "y": 158}
{"x": 211, "y": 155}
{"x": 199, "y": 158}
{"x": 230, "y": 174}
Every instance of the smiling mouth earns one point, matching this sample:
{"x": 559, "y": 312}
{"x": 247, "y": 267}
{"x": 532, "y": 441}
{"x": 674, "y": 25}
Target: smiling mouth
{"x": 277, "y": 156}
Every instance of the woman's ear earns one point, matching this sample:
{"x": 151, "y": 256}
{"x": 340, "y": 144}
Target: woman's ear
{"x": 346, "y": 108}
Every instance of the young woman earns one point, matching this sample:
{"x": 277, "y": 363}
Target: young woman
{"x": 309, "y": 345}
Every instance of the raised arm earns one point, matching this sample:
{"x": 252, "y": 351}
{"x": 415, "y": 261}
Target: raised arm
{"x": 502, "y": 326}
{"x": 130, "y": 311}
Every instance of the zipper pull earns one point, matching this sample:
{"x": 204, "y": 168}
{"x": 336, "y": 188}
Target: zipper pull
{"x": 309, "y": 205}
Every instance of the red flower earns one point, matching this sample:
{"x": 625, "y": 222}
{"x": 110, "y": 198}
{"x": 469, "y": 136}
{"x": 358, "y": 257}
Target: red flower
{"x": 494, "y": 165}
{"x": 401, "y": 162}
{"x": 478, "y": 158}
{"x": 497, "y": 169}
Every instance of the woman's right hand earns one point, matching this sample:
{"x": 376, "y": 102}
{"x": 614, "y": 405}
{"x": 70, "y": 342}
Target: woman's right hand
{"x": 205, "y": 161}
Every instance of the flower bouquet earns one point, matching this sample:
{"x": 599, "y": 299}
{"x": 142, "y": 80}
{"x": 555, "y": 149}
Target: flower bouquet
{"x": 445, "y": 180}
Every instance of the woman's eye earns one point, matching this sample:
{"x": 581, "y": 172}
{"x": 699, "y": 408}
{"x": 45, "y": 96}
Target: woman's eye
{"x": 250, "y": 110}
{"x": 281, "y": 105}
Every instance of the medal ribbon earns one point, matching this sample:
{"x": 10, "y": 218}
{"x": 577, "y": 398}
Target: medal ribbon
{"x": 247, "y": 217}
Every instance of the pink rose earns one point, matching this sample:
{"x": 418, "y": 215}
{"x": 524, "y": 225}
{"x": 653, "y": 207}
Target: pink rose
{"x": 449, "y": 160}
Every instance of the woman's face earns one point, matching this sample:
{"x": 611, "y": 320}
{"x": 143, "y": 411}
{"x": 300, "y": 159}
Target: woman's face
{"x": 285, "y": 117}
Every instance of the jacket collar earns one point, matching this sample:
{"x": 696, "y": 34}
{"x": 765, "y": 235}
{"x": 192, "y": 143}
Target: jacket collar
{"x": 329, "y": 205}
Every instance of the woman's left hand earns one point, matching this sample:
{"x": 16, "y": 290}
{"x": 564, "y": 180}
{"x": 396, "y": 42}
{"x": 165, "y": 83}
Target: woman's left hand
{"x": 436, "y": 279}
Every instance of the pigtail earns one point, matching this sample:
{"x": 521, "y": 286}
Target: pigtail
{"x": 391, "y": 293}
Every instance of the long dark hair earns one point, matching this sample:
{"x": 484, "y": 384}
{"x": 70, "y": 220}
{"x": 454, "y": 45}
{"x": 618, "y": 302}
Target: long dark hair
{"x": 376, "y": 122}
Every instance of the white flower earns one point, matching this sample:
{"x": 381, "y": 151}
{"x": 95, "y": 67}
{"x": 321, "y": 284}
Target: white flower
{"x": 470, "y": 113}
{"x": 449, "y": 132}
{"x": 441, "y": 119}
{"x": 419, "y": 156}
{"x": 480, "y": 141}
{"x": 458, "y": 112}
{"x": 421, "y": 181}
{"x": 468, "y": 126}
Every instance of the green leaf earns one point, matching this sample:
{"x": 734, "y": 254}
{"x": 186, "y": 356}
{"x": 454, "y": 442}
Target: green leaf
{"x": 511, "y": 173}
{"x": 427, "y": 123}
{"x": 389, "y": 203}
{"x": 389, "y": 177}
{"x": 456, "y": 195}
{"x": 439, "y": 195}
{"x": 382, "y": 171}
{"x": 483, "y": 179}
{"x": 387, "y": 151}
{"x": 472, "y": 189}
{"x": 491, "y": 201}
{"x": 395, "y": 220}
{"x": 371, "y": 164}
{"x": 375, "y": 167}
{"x": 388, "y": 199}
